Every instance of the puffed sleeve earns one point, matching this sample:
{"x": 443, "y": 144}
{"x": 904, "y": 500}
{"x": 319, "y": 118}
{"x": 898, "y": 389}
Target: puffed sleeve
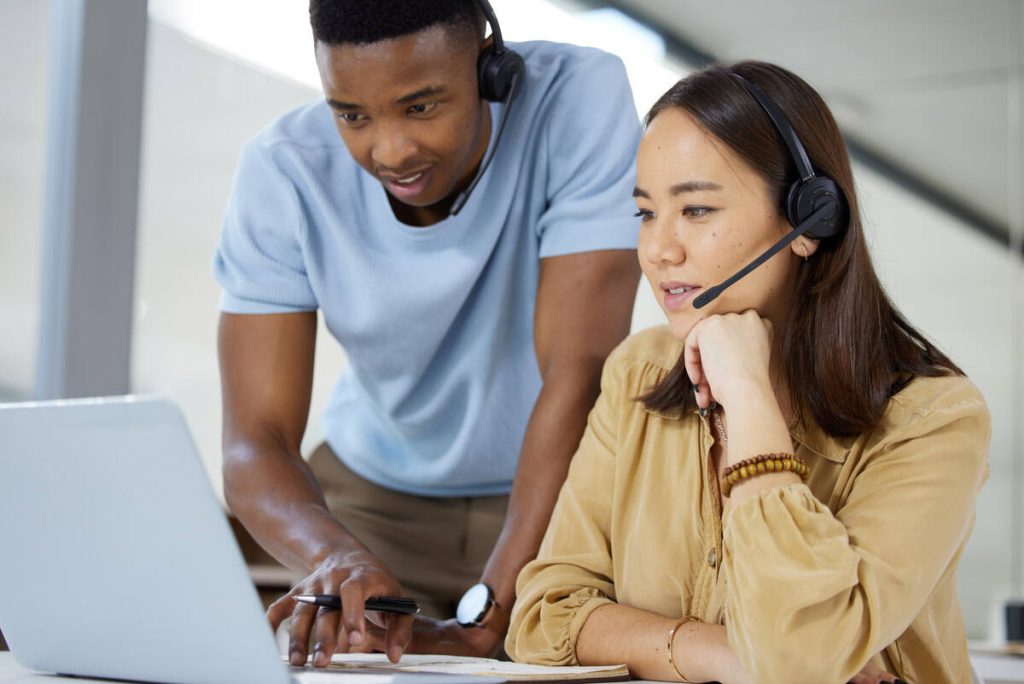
{"x": 572, "y": 574}
{"x": 812, "y": 595}
{"x": 260, "y": 262}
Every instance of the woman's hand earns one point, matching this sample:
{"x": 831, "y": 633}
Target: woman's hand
{"x": 354, "y": 577}
{"x": 727, "y": 356}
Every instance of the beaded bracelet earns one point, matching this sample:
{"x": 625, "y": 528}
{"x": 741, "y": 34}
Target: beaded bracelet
{"x": 671, "y": 637}
{"x": 763, "y": 464}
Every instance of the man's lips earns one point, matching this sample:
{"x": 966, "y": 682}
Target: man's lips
{"x": 405, "y": 177}
{"x": 409, "y": 184}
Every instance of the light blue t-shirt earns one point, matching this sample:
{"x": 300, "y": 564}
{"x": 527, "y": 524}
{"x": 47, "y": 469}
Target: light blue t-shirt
{"x": 437, "y": 321}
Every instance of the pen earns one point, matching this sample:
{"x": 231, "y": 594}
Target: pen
{"x": 387, "y": 604}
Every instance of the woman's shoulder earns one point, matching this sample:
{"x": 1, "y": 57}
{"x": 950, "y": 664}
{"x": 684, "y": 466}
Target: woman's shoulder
{"x": 652, "y": 346}
{"x": 945, "y": 403}
{"x": 949, "y": 394}
{"x": 640, "y": 361}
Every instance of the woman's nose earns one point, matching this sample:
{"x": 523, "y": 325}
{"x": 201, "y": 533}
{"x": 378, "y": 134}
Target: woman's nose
{"x": 661, "y": 245}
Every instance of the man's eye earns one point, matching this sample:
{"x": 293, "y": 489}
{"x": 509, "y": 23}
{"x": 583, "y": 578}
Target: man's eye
{"x": 697, "y": 212}
{"x": 422, "y": 108}
{"x": 644, "y": 215}
{"x": 351, "y": 117}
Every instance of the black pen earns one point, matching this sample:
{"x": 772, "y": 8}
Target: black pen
{"x": 387, "y": 604}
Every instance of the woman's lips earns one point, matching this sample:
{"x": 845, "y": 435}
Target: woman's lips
{"x": 678, "y": 295}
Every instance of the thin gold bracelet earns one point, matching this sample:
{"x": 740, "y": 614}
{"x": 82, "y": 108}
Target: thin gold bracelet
{"x": 671, "y": 637}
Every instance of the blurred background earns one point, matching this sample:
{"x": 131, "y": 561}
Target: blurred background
{"x": 930, "y": 94}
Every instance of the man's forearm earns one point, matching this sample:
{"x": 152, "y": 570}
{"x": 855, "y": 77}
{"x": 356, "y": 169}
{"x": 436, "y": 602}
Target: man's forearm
{"x": 552, "y": 436}
{"x": 275, "y": 495}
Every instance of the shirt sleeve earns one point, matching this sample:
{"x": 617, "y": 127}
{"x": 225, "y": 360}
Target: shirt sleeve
{"x": 259, "y": 262}
{"x": 572, "y": 574}
{"x": 591, "y": 151}
{"x": 814, "y": 595}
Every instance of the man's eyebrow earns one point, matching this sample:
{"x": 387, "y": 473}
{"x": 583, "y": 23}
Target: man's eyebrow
{"x": 429, "y": 91}
{"x": 638, "y": 192}
{"x": 693, "y": 186}
{"x": 342, "y": 106}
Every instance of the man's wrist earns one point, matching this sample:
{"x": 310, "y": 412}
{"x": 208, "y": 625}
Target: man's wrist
{"x": 478, "y": 607}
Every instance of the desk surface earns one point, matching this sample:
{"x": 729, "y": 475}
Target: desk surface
{"x": 995, "y": 670}
{"x": 12, "y": 673}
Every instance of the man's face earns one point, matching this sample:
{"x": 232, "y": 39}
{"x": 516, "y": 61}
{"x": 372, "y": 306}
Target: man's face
{"x": 409, "y": 111}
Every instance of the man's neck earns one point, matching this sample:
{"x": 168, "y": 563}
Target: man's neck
{"x": 421, "y": 217}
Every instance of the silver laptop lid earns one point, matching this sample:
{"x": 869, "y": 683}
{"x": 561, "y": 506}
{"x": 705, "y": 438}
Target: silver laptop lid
{"x": 117, "y": 559}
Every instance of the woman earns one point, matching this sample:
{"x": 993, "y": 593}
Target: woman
{"x": 829, "y": 556}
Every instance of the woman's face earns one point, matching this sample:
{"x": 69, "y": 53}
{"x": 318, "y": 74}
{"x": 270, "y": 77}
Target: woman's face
{"x": 704, "y": 215}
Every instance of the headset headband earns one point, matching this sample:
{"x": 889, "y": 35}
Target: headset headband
{"x": 492, "y": 19}
{"x": 789, "y": 136}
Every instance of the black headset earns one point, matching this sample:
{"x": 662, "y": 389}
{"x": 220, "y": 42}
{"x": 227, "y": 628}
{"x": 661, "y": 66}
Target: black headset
{"x": 810, "y": 192}
{"x": 500, "y": 72}
{"x": 499, "y": 69}
{"x": 815, "y": 204}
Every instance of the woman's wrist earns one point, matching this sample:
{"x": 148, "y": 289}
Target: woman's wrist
{"x": 701, "y": 652}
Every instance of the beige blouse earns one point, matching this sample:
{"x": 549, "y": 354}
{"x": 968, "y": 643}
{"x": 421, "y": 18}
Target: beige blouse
{"x": 811, "y": 580}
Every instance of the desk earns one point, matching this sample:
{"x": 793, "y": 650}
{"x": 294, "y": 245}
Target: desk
{"x": 995, "y": 670}
{"x": 12, "y": 673}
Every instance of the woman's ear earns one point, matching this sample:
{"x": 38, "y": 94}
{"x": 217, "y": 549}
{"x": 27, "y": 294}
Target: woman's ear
{"x": 804, "y": 247}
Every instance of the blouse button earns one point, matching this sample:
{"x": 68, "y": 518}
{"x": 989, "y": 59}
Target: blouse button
{"x": 712, "y": 557}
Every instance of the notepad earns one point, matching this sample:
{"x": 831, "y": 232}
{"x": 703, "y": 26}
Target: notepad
{"x": 480, "y": 667}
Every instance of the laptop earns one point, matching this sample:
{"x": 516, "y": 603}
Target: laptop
{"x": 116, "y": 558}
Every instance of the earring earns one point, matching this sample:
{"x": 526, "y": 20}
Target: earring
{"x": 804, "y": 245}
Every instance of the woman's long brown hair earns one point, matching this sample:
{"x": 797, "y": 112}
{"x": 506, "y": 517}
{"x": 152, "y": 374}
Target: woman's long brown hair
{"x": 845, "y": 348}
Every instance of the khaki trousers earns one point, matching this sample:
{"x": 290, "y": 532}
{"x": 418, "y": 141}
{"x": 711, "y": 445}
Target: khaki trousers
{"x": 435, "y": 546}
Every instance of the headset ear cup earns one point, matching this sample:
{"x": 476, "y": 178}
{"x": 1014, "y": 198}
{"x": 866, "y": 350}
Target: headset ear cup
{"x": 495, "y": 72}
{"x": 806, "y": 197}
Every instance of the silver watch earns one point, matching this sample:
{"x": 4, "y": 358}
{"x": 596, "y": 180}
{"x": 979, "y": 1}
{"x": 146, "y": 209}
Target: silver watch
{"x": 474, "y": 605}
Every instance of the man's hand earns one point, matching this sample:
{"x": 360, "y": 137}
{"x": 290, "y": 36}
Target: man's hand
{"x": 444, "y": 636}
{"x": 355, "y": 577}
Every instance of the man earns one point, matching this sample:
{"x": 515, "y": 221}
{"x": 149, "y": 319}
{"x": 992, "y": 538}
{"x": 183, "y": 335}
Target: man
{"x": 474, "y": 341}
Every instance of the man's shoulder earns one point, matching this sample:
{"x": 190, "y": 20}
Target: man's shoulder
{"x": 550, "y": 62}
{"x": 306, "y": 130}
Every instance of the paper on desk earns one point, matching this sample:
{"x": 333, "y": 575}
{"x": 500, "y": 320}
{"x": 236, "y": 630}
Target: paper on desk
{"x": 342, "y": 676}
{"x": 488, "y": 667}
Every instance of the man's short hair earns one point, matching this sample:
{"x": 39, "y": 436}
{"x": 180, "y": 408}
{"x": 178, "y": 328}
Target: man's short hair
{"x": 336, "y": 22}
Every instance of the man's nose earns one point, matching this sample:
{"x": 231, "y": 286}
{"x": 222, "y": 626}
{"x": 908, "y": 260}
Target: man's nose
{"x": 392, "y": 149}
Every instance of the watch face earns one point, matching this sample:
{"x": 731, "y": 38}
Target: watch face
{"x": 473, "y": 605}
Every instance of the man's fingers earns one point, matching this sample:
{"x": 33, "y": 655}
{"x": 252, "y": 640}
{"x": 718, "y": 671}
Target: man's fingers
{"x": 280, "y": 610}
{"x": 399, "y": 635}
{"x": 325, "y": 636}
{"x": 298, "y": 642}
{"x": 872, "y": 674}
{"x": 352, "y": 607}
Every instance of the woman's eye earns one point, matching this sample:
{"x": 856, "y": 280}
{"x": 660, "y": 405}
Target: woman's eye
{"x": 644, "y": 215}
{"x": 696, "y": 212}
{"x": 422, "y": 108}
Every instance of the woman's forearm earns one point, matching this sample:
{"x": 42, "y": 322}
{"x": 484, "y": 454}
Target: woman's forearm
{"x": 616, "y": 634}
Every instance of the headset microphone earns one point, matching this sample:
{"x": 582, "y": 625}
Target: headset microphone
{"x": 500, "y": 72}
{"x": 711, "y": 293}
{"x": 815, "y": 204}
